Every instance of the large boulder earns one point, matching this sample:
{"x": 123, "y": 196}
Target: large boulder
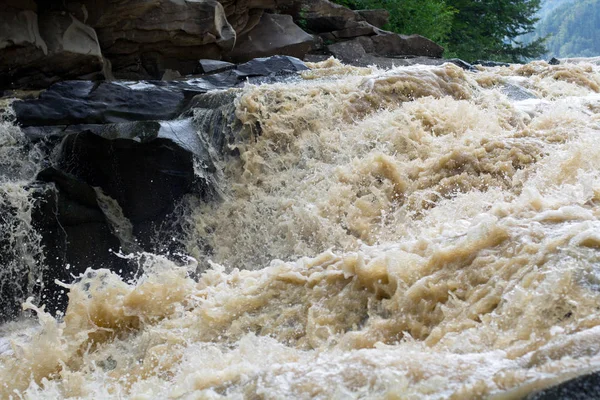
{"x": 391, "y": 44}
{"x": 144, "y": 38}
{"x": 86, "y": 102}
{"x": 349, "y": 52}
{"x": 37, "y": 51}
{"x": 75, "y": 234}
{"x": 322, "y": 16}
{"x": 376, "y": 17}
{"x": 274, "y": 35}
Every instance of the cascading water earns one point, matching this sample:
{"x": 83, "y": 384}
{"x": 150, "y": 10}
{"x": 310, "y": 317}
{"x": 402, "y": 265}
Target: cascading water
{"x": 21, "y": 255}
{"x": 422, "y": 232}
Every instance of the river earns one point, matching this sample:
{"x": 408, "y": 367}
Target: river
{"x": 415, "y": 233}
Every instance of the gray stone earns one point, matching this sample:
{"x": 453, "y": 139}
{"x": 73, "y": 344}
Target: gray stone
{"x": 35, "y": 52}
{"x": 378, "y": 17}
{"x": 367, "y": 43}
{"x": 144, "y": 38}
{"x": 348, "y": 52}
{"x": 391, "y": 44}
{"x": 274, "y": 35}
{"x": 321, "y": 16}
{"x": 360, "y": 29}
{"x": 213, "y": 66}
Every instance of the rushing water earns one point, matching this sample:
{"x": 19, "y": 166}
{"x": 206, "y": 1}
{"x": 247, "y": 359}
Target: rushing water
{"x": 422, "y": 232}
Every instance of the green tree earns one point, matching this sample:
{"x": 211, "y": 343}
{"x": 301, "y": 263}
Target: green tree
{"x": 468, "y": 29}
{"x": 572, "y": 29}
{"x": 430, "y": 18}
{"x": 491, "y": 29}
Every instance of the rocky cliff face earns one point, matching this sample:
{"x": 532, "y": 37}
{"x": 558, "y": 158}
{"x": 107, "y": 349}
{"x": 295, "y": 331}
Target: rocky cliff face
{"x": 46, "y": 41}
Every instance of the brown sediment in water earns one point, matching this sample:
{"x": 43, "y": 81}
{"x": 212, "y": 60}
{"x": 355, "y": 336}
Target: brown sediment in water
{"x": 439, "y": 240}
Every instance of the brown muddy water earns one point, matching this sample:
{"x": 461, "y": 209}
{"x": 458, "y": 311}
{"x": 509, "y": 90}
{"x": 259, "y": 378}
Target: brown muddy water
{"x": 416, "y": 233}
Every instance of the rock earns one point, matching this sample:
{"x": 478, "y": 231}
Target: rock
{"x": 586, "y": 387}
{"x": 378, "y": 18}
{"x": 170, "y": 75}
{"x": 391, "y": 44}
{"x": 320, "y": 16}
{"x": 35, "y": 52}
{"x": 146, "y": 174}
{"x": 144, "y": 38}
{"x": 20, "y": 45}
{"x": 516, "y": 93}
{"x": 114, "y": 185}
{"x": 79, "y": 102}
{"x": 213, "y": 66}
{"x": 367, "y": 43}
{"x": 463, "y": 64}
{"x": 348, "y": 52}
{"x": 360, "y": 29}
{"x": 315, "y": 58}
{"x": 84, "y": 102}
{"x": 75, "y": 234}
{"x": 484, "y": 63}
{"x": 216, "y": 122}
{"x": 276, "y": 65}
{"x": 274, "y": 35}
{"x": 554, "y": 61}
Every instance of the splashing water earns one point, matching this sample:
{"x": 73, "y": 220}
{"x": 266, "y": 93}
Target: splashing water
{"x": 21, "y": 255}
{"x": 421, "y": 232}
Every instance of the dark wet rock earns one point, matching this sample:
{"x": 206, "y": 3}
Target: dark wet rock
{"x": 349, "y": 52}
{"x": 360, "y": 29}
{"x": 391, "y": 44}
{"x": 213, "y": 66}
{"x": 79, "y": 102}
{"x": 484, "y": 63}
{"x": 75, "y": 234}
{"x": 143, "y": 39}
{"x": 321, "y": 16}
{"x": 585, "y": 387}
{"x": 274, "y": 35}
{"x": 146, "y": 174}
{"x": 85, "y": 102}
{"x": 377, "y": 17}
{"x": 554, "y": 61}
{"x": 214, "y": 117}
{"x": 463, "y": 64}
{"x": 276, "y": 65}
{"x": 37, "y": 51}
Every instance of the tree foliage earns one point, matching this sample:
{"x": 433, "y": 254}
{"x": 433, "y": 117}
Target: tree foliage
{"x": 491, "y": 29}
{"x": 469, "y": 29}
{"x": 430, "y": 18}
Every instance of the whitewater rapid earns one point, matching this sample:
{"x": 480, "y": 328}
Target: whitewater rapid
{"x": 420, "y": 232}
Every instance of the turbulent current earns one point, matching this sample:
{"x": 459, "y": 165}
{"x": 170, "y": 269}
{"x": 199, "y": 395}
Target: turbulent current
{"x": 419, "y": 232}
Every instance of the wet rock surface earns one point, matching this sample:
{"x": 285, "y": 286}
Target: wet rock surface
{"x": 36, "y": 51}
{"x": 119, "y": 158}
{"x": 585, "y": 387}
{"x": 48, "y": 41}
